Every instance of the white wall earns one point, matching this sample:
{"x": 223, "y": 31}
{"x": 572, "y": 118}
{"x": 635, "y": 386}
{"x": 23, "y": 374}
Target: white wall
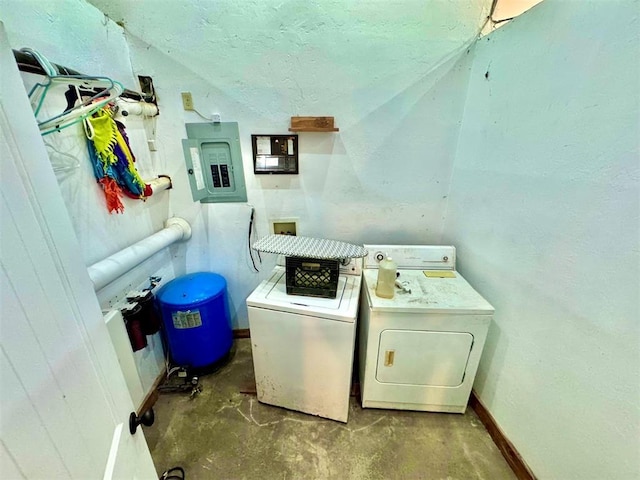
{"x": 387, "y": 71}
{"x": 75, "y": 34}
{"x": 544, "y": 210}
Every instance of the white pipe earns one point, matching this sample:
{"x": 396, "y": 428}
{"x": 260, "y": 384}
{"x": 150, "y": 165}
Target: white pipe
{"x": 159, "y": 184}
{"x": 137, "y": 108}
{"x": 106, "y": 271}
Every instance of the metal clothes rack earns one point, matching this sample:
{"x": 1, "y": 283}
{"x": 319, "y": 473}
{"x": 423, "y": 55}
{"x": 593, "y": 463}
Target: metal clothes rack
{"x": 28, "y": 64}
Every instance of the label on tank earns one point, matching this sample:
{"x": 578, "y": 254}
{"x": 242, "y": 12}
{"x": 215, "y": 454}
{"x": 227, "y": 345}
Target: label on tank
{"x": 188, "y": 319}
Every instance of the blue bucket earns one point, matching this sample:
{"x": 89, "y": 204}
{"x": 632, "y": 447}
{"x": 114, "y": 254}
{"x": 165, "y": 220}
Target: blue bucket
{"x": 195, "y": 315}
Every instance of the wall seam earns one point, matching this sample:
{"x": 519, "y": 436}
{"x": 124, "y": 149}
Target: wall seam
{"x": 471, "y": 51}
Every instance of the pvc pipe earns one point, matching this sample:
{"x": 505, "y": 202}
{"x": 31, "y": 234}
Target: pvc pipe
{"x": 138, "y": 108}
{"x": 159, "y": 184}
{"x": 106, "y": 271}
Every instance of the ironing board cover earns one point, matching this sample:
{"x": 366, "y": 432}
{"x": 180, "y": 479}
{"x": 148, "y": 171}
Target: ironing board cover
{"x": 294, "y": 246}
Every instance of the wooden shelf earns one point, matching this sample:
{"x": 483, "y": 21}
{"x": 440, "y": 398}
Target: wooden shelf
{"x": 314, "y": 129}
{"x": 312, "y": 124}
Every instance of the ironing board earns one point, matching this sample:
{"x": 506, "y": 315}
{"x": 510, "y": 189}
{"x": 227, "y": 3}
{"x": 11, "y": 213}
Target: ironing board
{"x": 294, "y": 246}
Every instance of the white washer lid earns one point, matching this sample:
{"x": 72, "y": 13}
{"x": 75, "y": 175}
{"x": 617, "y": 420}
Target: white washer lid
{"x": 272, "y": 294}
{"x": 428, "y": 295}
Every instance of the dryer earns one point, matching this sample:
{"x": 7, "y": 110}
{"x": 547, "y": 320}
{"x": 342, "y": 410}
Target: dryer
{"x": 420, "y": 350}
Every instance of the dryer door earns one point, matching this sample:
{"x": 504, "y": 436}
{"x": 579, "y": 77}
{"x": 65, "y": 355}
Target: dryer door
{"x": 429, "y": 358}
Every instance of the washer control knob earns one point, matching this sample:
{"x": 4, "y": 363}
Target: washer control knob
{"x": 379, "y": 256}
{"x": 445, "y": 258}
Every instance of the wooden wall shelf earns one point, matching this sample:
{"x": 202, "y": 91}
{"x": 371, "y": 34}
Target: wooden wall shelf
{"x": 312, "y": 124}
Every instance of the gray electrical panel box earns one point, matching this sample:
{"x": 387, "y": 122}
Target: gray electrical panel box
{"x": 214, "y": 162}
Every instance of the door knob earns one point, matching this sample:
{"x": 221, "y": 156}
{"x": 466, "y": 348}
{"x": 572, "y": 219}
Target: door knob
{"x": 146, "y": 419}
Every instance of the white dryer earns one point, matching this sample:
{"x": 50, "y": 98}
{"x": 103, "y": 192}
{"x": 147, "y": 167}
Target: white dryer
{"x": 303, "y": 346}
{"x": 421, "y": 349}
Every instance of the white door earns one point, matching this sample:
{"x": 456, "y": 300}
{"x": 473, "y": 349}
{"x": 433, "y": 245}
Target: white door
{"x": 64, "y": 401}
{"x": 429, "y": 358}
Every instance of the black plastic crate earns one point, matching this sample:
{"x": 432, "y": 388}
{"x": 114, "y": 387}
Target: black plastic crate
{"x": 313, "y": 277}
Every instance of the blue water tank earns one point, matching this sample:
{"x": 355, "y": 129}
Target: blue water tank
{"x": 195, "y": 315}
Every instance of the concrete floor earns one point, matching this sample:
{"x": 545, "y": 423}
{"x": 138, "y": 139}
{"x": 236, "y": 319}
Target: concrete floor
{"x": 224, "y": 434}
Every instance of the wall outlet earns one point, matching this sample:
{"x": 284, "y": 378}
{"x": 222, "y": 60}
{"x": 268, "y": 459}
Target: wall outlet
{"x": 187, "y": 100}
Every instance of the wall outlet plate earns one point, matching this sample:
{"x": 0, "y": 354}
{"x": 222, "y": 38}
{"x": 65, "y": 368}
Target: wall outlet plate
{"x": 187, "y": 100}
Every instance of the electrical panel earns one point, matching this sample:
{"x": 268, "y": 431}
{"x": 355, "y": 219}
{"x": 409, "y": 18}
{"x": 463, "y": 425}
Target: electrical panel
{"x": 214, "y": 162}
{"x": 275, "y": 154}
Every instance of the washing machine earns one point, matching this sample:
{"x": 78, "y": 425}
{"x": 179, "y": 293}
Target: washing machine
{"x": 303, "y": 346}
{"x": 420, "y": 350}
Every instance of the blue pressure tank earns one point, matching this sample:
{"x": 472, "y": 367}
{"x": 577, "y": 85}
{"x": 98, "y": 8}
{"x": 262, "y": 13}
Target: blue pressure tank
{"x": 195, "y": 315}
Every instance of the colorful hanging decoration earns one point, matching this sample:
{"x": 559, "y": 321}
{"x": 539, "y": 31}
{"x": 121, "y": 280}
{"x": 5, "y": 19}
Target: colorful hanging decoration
{"x": 113, "y": 160}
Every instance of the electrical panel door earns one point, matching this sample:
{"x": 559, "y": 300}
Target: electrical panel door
{"x": 214, "y": 162}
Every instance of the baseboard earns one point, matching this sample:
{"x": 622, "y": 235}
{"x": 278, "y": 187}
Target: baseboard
{"x": 152, "y": 397}
{"x": 509, "y": 452}
{"x": 241, "y": 333}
